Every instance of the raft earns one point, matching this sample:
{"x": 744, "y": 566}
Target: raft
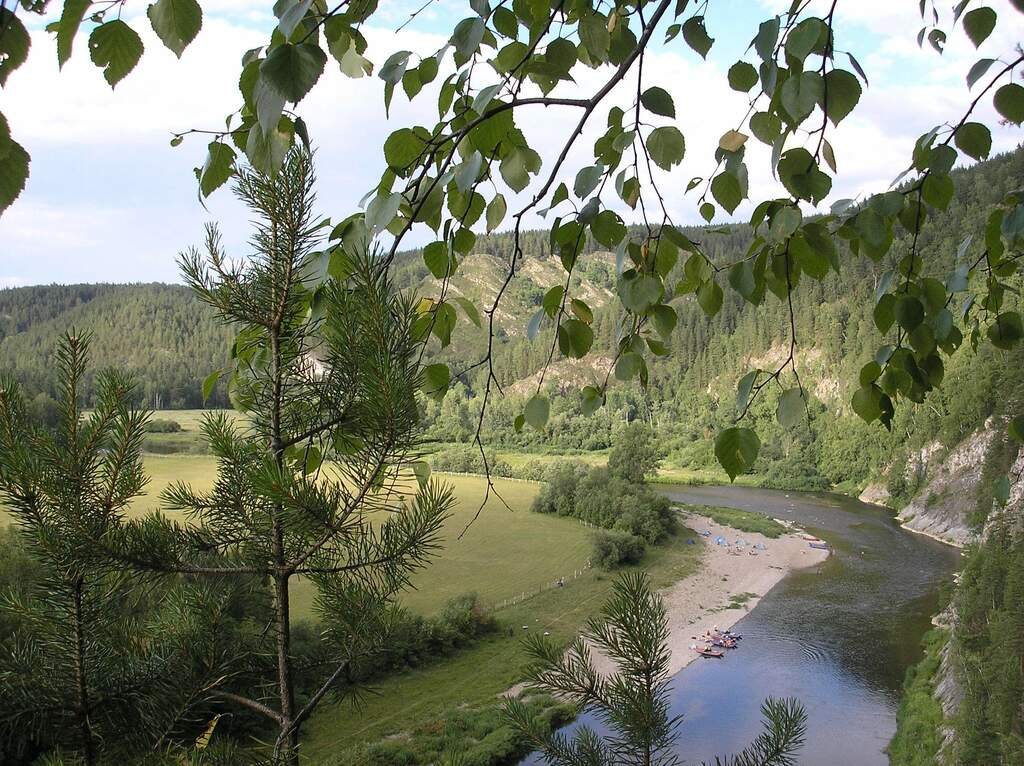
{"x": 717, "y": 653}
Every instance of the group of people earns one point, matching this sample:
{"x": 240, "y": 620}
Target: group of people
{"x": 715, "y": 641}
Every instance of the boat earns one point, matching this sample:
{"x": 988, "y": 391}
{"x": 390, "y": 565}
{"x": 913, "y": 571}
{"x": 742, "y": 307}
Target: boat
{"x": 822, "y": 546}
{"x": 709, "y": 652}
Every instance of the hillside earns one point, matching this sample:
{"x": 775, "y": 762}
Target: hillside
{"x": 161, "y": 333}
{"x": 171, "y": 342}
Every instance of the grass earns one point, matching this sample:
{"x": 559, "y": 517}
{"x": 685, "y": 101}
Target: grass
{"x": 745, "y": 521}
{"x": 478, "y": 674}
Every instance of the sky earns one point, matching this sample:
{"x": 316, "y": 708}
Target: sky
{"x": 109, "y": 200}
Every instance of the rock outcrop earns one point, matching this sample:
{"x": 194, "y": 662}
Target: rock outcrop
{"x": 947, "y": 498}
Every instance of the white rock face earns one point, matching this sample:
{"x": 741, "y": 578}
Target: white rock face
{"x": 942, "y": 506}
{"x": 875, "y": 494}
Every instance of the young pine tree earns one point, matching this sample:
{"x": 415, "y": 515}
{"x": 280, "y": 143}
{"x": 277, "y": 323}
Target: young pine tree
{"x": 632, "y": 704}
{"x": 76, "y": 674}
{"x": 314, "y": 480}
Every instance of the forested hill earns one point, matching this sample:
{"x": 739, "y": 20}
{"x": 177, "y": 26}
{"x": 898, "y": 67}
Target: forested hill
{"x": 161, "y": 333}
{"x": 692, "y": 391}
{"x": 171, "y": 342}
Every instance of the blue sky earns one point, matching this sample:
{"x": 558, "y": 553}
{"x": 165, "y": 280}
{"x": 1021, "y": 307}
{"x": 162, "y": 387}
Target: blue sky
{"x": 110, "y": 200}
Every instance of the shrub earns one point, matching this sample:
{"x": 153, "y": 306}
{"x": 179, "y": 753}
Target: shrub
{"x": 163, "y": 426}
{"x": 613, "y": 549}
{"x": 467, "y": 459}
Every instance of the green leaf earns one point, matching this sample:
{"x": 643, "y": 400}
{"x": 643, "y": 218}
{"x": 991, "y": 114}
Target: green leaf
{"x": 592, "y": 400}
{"x": 909, "y": 312}
{"x": 209, "y": 382}
{"x": 436, "y": 379}
{"x": 220, "y": 160}
{"x": 1009, "y": 102}
{"x": 266, "y": 149}
{"x": 594, "y": 36}
{"x": 842, "y": 92}
{"x": 581, "y": 310}
{"x": 791, "y": 407}
{"x": 382, "y": 210}
{"x": 575, "y": 338}
{"x": 628, "y": 366}
{"x": 696, "y": 35}
{"x": 665, "y": 319}
{"x": 402, "y": 148}
{"x": 496, "y": 210}
{"x": 707, "y": 211}
{"x": 587, "y": 180}
{"x": 978, "y": 24}
{"x": 658, "y": 101}
{"x": 725, "y": 187}
{"x": 394, "y": 68}
{"x": 884, "y": 313}
{"x": 767, "y": 37}
{"x": 116, "y": 48}
{"x": 937, "y": 190}
{"x": 70, "y": 20}
{"x": 974, "y": 139}
{"x": 176, "y": 22}
{"x": 468, "y": 35}
{"x": 765, "y": 127}
{"x": 537, "y": 411}
{"x": 421, "y": 470}
{"x": 800, "y": 94}
{"x": 14, "y": 162}
{"x": 608, "y": 228}
{"x": 978, "y": 71}
{"x": 742, "y": 76}
{"x": 437, "y": 259}
{"x": 1006, "y": 331}
{"x": 736, "y": 450}
{"x": 804, "y": 37}
{"x": 470, "y": 309}
{"x": 744, "y": 389}
{"x": 802, "y": 177}
{"x": 292, "y": 70}
{"x": 14, "y": 43}
{"x": 709, "y": 296}
{"x": 666, "y": 146}
{"x": 867, "y": 403}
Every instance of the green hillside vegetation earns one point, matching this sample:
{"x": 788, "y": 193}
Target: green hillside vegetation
{"x": 160, "y": 333}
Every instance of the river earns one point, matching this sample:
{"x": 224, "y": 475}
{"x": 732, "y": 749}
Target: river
{"x": 840, "y": 639}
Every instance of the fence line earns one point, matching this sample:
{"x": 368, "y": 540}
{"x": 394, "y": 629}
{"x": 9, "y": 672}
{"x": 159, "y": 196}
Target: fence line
{"x": 561, "y": 582}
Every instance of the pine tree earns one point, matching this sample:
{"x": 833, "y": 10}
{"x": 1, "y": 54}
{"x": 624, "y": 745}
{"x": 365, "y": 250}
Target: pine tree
{"x": 78, "y": 672}
{"x": 317, "y": 481}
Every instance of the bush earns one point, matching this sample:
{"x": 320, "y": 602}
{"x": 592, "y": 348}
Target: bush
{"x": 467, "y": 459}
{"x": 613, "y": 549}
{"x": 163, "y": 426}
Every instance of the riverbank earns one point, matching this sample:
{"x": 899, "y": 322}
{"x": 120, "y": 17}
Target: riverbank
{"x": 728, "y": 584}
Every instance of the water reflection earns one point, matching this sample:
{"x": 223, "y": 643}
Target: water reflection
{"x": 840, "y": 637}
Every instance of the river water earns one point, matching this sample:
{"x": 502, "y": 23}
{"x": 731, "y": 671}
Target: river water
{"x": 839, "y": 638}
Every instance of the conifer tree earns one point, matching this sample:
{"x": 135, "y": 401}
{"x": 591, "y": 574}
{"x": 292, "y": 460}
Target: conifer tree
{"x": 316, "y": 480}
{"x": 77, "y": 672}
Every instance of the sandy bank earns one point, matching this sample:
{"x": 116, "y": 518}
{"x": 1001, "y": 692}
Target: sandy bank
{"x": 700, "y": 602}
